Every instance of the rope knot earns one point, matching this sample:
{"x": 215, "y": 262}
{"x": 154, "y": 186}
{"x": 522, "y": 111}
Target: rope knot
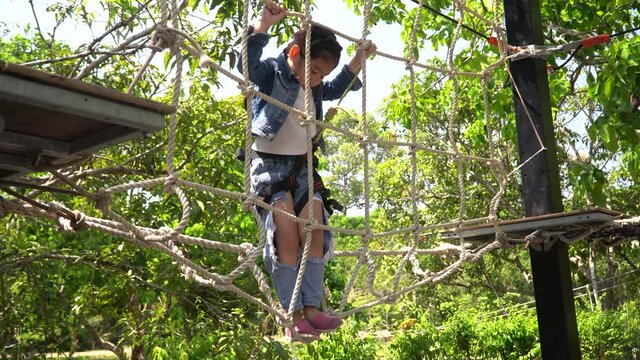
{"x": 166, "y": 234}
{"x": 310, "y": 225}
{"x": 79, "y": 221}
{"x": 308, "y": 119}
{"x": 245, "y": 249}
{"x": 465, "y": 252}
{"x": 503, "y": 239}
{"x": 170, "y": 182}
{"x": 162, "y": 39}
{"x": 247, "y": 90}
{"x": 250, "y": 201}
{"x": 409, "y": 64}
{"x": 413, "y": 148}
{"x": 364, "y": 140}
{"x": 389, "y": 297}
{"x": 537, "y": 239}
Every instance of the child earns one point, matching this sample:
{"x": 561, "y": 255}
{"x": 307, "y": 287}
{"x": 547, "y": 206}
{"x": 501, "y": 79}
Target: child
{"x": 279, "y": 168}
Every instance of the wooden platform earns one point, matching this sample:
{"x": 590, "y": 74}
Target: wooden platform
{"x": 48, "y": 120}
{"x": 571, "y": 221}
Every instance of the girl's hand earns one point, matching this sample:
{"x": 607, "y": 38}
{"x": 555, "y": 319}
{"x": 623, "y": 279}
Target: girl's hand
{"x": 368, "y": 49}
{"x": 272, "y": 12}
{"x": 364, "y": 52}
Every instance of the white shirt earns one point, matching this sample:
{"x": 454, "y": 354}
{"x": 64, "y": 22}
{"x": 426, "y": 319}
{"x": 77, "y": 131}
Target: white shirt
{"x": 291, "y": 139}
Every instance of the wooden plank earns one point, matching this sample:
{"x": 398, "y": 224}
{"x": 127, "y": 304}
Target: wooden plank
{"x": 57, "y": 99}
{"x": 84, "y": 88}
{"x": 28, "y": 119}
{"x": 530, "y": 224}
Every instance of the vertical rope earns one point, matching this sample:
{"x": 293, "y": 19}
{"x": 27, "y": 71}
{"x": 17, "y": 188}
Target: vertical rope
{"x": 414, "y": 157}
{"x": 500, "y": 173}
{"x": 177, "y": 87}
{"x": 307, "y": 121}
{"x": 371, "y": 265}
{"x": 453, "y": 112}
{"x": 350, "y": 284}
{"x": 262, "y": 232}
{"x": 249, "y": 97}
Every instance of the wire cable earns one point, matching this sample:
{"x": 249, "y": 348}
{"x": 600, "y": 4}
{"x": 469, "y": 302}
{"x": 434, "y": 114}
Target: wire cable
{"x": 452, "y": 20}
{"x": 625, "y": 32}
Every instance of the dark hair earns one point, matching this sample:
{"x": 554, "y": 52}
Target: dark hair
{"x": 323, "y": 43}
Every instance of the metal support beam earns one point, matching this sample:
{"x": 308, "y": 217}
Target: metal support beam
{"x": 14, "y": 162}
{"x": 541, "y": 184}
{"x": 24, "y": 143}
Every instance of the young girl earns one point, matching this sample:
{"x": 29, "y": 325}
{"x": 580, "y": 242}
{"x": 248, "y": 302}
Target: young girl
{"x": 279, "y": 167}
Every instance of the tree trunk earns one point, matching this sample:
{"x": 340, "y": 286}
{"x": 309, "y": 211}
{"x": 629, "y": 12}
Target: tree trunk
{"x": 137, "y": 352}
{"x": 593, "y": 273}
{"x": 611, "y": 300}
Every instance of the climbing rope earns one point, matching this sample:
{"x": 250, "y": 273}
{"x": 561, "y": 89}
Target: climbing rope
{"x": 168, "y": 35}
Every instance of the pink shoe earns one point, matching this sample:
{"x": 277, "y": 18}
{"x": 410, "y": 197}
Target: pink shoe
{"x": 307, "y": 332}
{"x": 323, "y": 322}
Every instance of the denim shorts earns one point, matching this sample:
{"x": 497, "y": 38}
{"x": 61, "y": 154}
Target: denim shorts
{"x": 266, "y": 171}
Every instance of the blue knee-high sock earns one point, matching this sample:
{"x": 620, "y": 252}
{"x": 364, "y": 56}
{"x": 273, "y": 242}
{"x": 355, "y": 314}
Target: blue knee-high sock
{"x": 284, "y": 280}
{"x": 313, "y": 282}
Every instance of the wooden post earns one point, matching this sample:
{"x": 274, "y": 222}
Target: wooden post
{"x": 541, "y": 184}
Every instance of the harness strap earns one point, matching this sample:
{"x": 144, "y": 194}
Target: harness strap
{"x": 290, "y": 183}
{"x": 318, "y": 186}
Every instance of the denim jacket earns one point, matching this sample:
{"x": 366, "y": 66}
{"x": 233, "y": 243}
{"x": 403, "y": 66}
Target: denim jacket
{"x": 274, "y": 78}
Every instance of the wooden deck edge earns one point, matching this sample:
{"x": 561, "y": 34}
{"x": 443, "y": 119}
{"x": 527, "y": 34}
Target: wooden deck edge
{"x": 84, "y": 88}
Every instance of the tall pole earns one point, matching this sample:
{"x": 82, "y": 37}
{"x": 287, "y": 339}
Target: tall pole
{"x": 541, "y": 184}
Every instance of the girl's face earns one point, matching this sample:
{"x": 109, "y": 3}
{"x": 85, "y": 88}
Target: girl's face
{"x": 320, "y": 67}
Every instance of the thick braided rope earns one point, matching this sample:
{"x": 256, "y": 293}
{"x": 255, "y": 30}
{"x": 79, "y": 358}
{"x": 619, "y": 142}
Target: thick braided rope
{"x": 453, "y": 112}
{"x": 307, "y": 104}
{"x": 414, "y": 158}
{"x": 177, "y": 84}
{"x": 248, "y": 93}
{"x": 199, "y": 274}
{"x": 262, "y": 233}
{"x": 433, "y": 278}
{"x": 363, "y": 253}
{"x": 371, "y": 265}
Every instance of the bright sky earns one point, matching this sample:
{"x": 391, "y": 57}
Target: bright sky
{"x": 381, "y": 72}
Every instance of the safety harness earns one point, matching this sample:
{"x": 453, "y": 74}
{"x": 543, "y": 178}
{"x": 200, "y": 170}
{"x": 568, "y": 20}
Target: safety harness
{"x": 290, "y": 182}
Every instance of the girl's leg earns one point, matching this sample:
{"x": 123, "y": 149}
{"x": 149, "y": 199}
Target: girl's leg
{"x": 313, "y": 282}
{"x": 285, "y": 272}
{"x": 287, "y": 240}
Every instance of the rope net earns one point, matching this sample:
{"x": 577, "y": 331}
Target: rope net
{"x": 168, "y": 34}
